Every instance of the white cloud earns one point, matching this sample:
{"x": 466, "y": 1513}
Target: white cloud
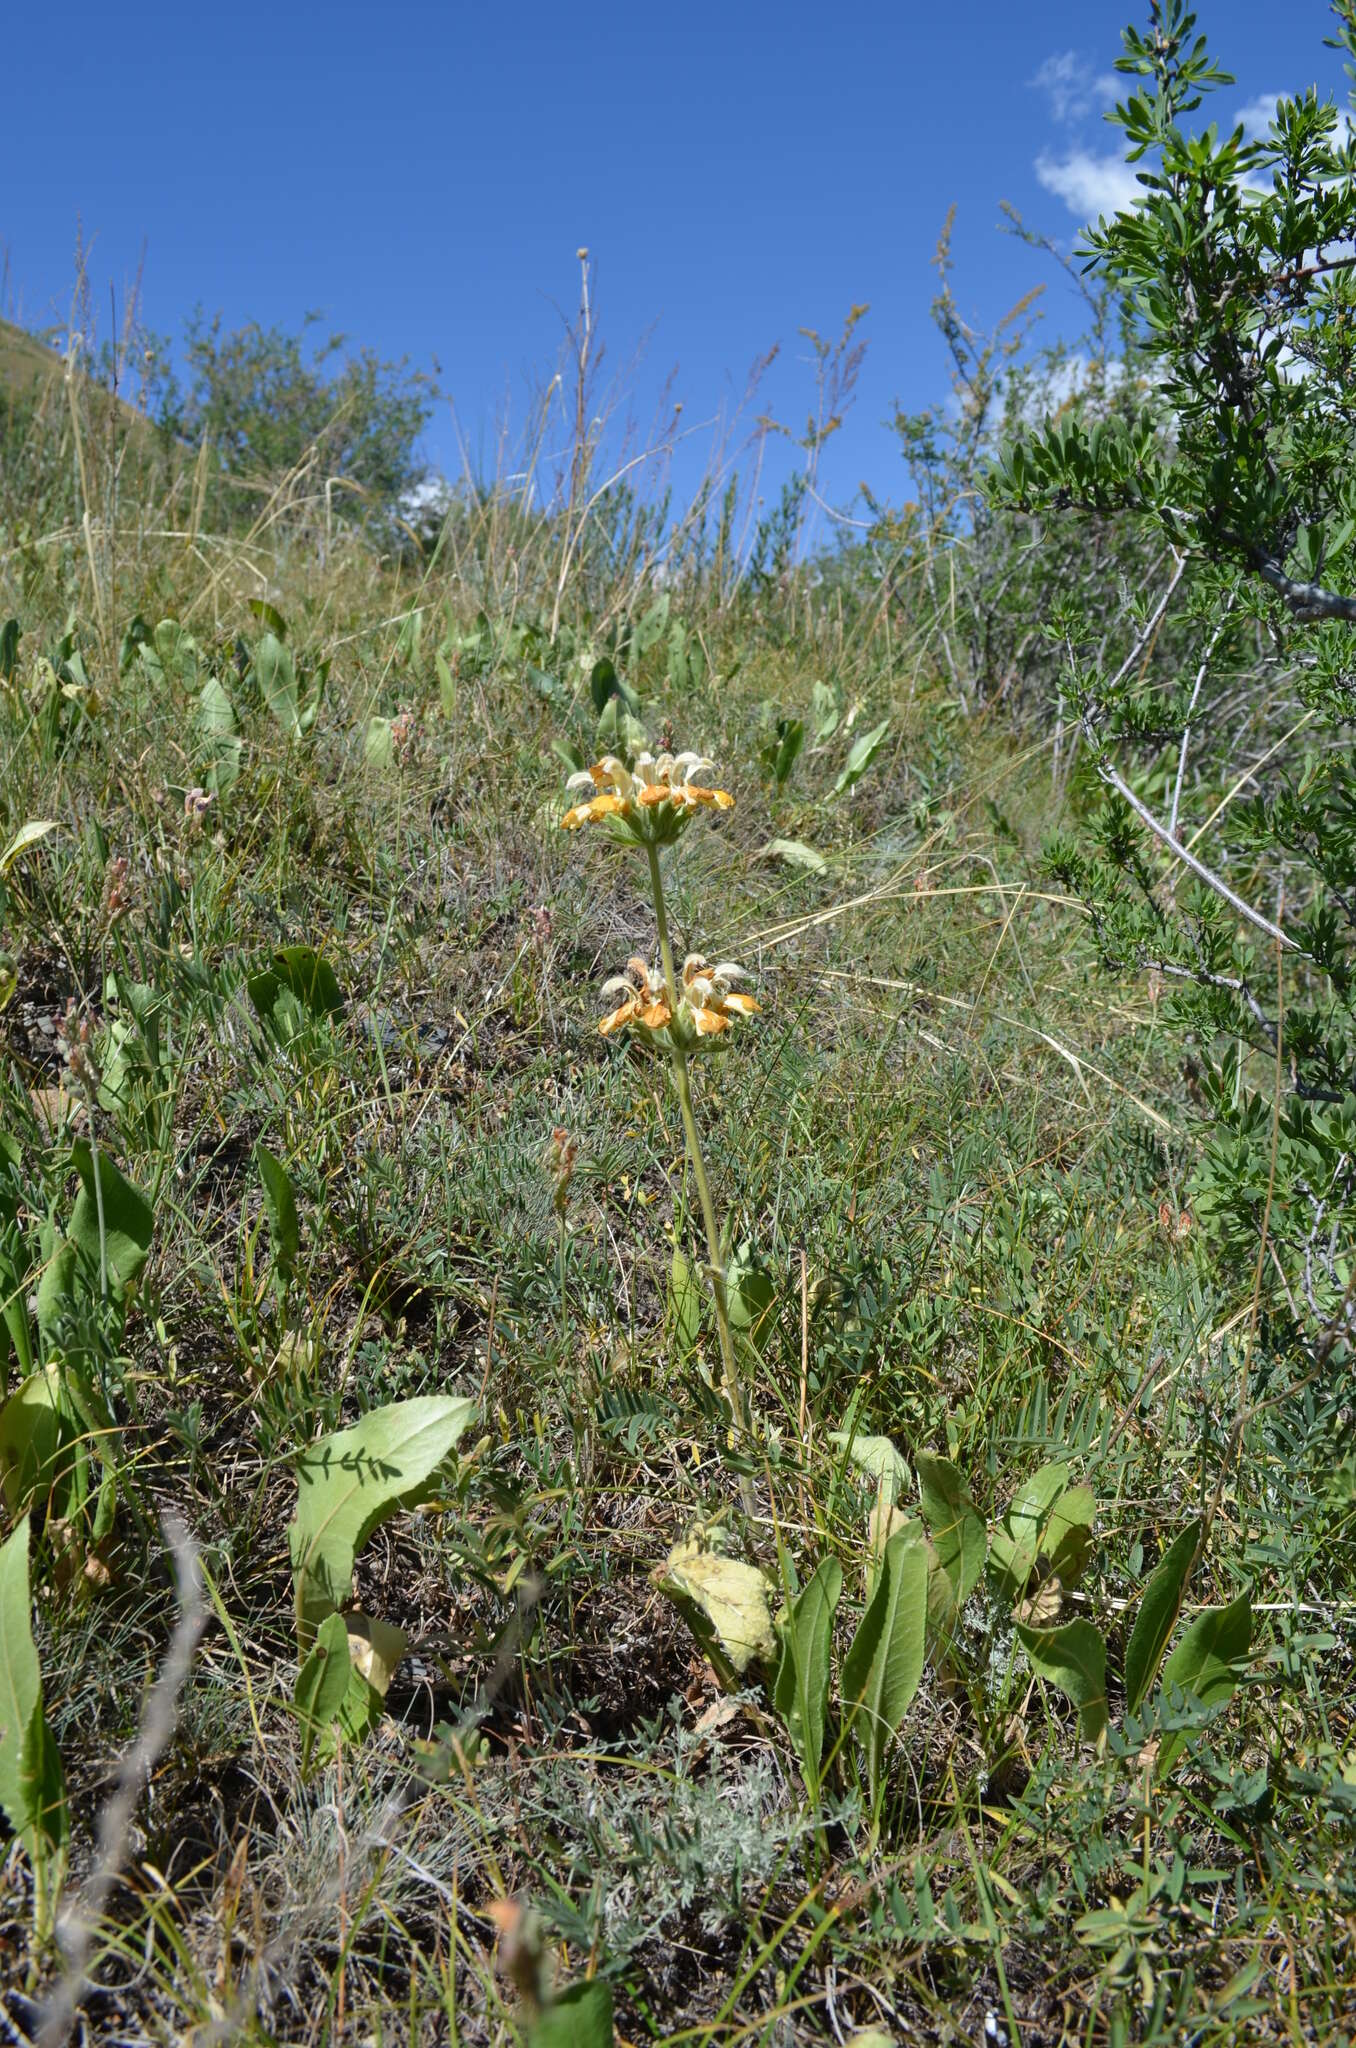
{"x": 1255, "y": 118}
{"x": 1074, "y": 89}
{"x": 1090, "y": 185}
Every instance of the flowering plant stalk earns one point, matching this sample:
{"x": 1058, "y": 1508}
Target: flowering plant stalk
{"x": 650, "y": 805}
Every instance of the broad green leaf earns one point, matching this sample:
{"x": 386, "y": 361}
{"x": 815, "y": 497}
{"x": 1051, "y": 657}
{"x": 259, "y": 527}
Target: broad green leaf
{"x": 684, "y": 1306}
{"x": 750, "y": 1297}
{"x": 801, "y": 1692}
{"x": 447, "y": 685}
{"x": 725, "y": 1603}
{"x": 651, "y": 623}
{"x": 1073, "y": 1658}
{"x": 57, "y": 1289}
{"x": 375, "y": 1648}
{"x": 276, "y": 674}
{"x": 280, "y": 1206}
{"x": 824, "y": 712}
{"x": 269, "y": 615}
{"x": 39, "y": 1430}
{"x": 32, "y": 1789}
{"x": 171, "y": 655}
{"x": 47, "y": 1837}
{"x": 606, "y": 686}
{"x": 779, "y": 756}
{"x": 20, "y": 1677}
{"x": 1157, "y": 1617}
{"x": 214, "y": 717}
{"x": 379, "y": 744}
{"x": 299, "y": 971}
{"x": 877, "y": 1456}
{"x": 27, "y": 835}
{"x": 54, "y": 1428}
{"x": 1205, "y": 1663}
{"x": 128, "y": 1220}
{"x": 862, "y": 753}
{"x": 958, "y": 1538}
{"x": 884, "y": 1662}
{"x": 349, "y": 1483}
{"x": 580, "y": 2018}
{"x": 1048, "y": 1522}
{"x": 796, "y": 854}
{"x": 322, "y": 1683}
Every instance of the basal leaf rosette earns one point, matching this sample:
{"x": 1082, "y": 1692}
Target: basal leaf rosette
{"x": 652, "y": 803}
{"x": 708, "y": 1002}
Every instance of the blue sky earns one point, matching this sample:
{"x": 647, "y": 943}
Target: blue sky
{"x": 422, "y": 175}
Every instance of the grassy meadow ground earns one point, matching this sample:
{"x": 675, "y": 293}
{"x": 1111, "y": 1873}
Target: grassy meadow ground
{"x": 963, "y": 1159}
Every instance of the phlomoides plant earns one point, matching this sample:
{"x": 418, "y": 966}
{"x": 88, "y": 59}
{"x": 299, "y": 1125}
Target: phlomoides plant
{"x": 32, "y": 1786}
{"x": 649, "y": 806}
{"x": 922, "y": 1570}
{"x": 348, "y": 1484}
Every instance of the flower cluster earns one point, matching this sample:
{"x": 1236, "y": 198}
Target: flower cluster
{"x": 650, "y": 802}
{"x": 708, "y": 1001}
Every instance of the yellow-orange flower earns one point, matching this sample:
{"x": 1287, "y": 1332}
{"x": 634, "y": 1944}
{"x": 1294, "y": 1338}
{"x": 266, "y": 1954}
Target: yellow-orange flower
{"x": 711, "y": 997}
{"x": 651, "y": 801}
{"x": 645, "y": 1001}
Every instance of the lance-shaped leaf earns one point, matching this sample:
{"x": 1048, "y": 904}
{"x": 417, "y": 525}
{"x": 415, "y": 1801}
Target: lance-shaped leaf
{"x": 884, "y": 1662}
{"x": 957, "y": 1536}
{"x": 801, "y": 1692}
{"x": 684, "y": 1317}
{"x": 280, "y": 1207}
{"x": 350, "y": 1482}
{"x": 1073, "y": 1658}
{"x": 1157, "y": 1617}
{"x": 862, "y": 753}
{"x": 32, "y": 1787}
{"x": 275, "y": 671}
{"x": 1206, "y": 1663}
{"x": 322, "y": 1683}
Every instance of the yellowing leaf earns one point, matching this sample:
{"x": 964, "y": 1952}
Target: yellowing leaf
{"x": 724, "y": 1602}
